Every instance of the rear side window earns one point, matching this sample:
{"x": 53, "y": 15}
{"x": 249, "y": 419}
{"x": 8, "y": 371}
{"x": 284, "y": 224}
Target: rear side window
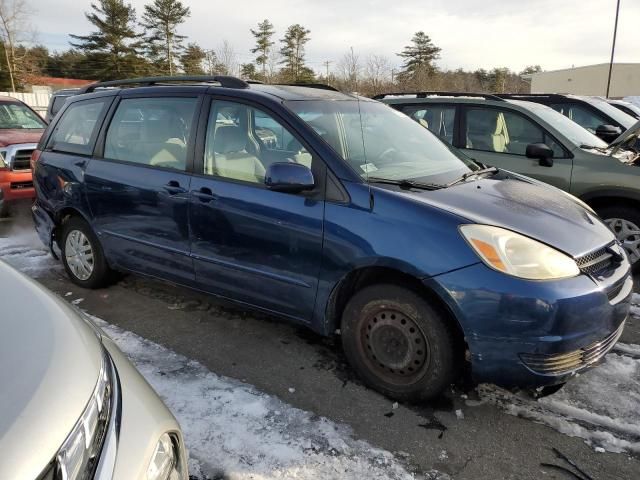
{"x": 502, "y": 131}
{"x": 57, "y": 104}
{"x": 437, "y": 118}
{"x": 151, "y": 131}
{"x": 77, "y": 129}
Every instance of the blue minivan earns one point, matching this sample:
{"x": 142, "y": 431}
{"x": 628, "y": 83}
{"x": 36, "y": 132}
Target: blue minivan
{"x": 339, "y": 213}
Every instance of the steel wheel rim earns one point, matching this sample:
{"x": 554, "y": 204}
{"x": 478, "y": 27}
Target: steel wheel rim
{"x": 394, "y": 346}
{"x": 628, "y": 234}
{"x": 79, "y": 255}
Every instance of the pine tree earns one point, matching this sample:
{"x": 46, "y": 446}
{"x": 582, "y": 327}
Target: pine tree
{"x": 112, "y": 50}
{"x": 161, "y": 19}
{"x": 192, "y": 60}
{"x": 292, "y": 52}
{"x": 248, "y": 71}
{"x": 419, "y": 56}
{"x": 263, "y": 36}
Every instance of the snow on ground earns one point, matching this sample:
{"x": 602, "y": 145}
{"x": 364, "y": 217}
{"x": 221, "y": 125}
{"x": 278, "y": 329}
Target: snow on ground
{"x": 234, "y": 431}
{"x": 22, "y": 249}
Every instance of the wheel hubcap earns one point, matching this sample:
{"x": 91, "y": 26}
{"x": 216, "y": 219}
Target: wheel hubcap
{"x": 79, "y": 254}
{"x": 628, "y": 234}
{"x": 394, "y": 346}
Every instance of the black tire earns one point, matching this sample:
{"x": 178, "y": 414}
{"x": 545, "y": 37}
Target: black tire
{"x": 628, "y": 213}
{"x": 398, "y": 343}
{"x": 101, "y": 275}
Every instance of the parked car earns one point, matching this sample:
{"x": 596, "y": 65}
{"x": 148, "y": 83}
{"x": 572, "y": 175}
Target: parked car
{"x": 57, "y": 101}
{"x": 72, "y": 406}
{"x": 534, "y": 140}
{"x": 356, "y": 220}
{"x": 592, "y": 113}
{"x": 627, "y": 107}
{"x": 20, "y": 130}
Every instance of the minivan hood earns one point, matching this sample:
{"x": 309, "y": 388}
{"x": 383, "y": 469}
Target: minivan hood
{"x": 527, "y": 207}
{"x": 49, "y": 365}
{"x": 12, "y": 136}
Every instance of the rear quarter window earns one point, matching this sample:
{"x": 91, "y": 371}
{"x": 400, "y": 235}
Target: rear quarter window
{"x": 76, "y": 131}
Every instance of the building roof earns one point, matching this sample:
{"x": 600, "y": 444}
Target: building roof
{"x": 59, "y": 82}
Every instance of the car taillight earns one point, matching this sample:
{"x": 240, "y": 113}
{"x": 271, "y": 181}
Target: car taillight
{"x": 35, "y": 156}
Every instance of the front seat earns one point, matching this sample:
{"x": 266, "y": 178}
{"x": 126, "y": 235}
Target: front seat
{"x": 231, "y": 158}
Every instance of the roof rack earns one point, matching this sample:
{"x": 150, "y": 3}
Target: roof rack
{"x": 529, "y": 95}
{"x": 224, "y": 81}
{"x": 319, "y": 86}
{"x": 486, "y": 96}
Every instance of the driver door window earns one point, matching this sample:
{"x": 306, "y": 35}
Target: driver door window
{"x": 243, "y": 141}
{"x": 502, "y": 131}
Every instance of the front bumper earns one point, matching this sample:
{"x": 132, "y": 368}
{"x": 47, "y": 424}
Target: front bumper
{"x": 528, "y": 334}
{"x": 143, "y": 419}
{"x": 16, "y": 185}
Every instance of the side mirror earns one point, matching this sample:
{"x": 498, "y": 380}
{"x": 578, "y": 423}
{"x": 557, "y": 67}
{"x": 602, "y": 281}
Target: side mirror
{"x": 608, "y": 133}
{"x": 542, "y": 152}
{"x": 289, "y": 177}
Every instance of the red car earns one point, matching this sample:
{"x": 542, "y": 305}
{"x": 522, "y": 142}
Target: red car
{"x": 20, "y": 131}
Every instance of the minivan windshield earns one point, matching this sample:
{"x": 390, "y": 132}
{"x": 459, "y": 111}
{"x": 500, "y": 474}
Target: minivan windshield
{"x": 380, "y": 142}
{"x": 16, "y": 115}
{"x": 578, "y": 135}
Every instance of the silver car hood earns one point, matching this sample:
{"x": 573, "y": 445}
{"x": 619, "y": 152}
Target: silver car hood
{"x": 49, "y": 365}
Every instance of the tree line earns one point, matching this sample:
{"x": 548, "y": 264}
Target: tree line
{"x": 123, "y": 45}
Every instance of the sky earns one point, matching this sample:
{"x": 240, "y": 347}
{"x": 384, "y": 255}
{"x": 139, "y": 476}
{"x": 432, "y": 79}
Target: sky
{"x": 472, "y": 34}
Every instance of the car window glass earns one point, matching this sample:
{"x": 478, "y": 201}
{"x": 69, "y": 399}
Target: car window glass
{"x": 501, "y": 131}
{"x": 243, "y": 141}
{"x": 151, "y": 131}
{"x": 57, "y": 103}
{"x": 583, "y": 116}
{"x": 76, "y": 130}
{"x": 17, "y": 115}
{"x": 437, "y": 118}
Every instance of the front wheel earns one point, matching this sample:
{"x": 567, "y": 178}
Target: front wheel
{"x": 624, "y": 221}
{"x": 82, "y": 255}
{"x": 398, "y": 343}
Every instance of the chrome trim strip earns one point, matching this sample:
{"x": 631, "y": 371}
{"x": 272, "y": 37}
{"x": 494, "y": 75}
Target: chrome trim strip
{"x": 107, "y": 462}
{"x": 11, "y": 150}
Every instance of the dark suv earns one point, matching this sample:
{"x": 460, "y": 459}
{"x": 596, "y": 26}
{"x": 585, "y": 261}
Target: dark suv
{"x": 593, "y": 113}
{"x": 349, "y": 217}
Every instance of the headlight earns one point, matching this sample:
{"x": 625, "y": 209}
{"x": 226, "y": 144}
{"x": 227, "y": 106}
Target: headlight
{"x": 517, "y": 255}
{"x": 165, "y": 462}
{"x": 80, "y": 452}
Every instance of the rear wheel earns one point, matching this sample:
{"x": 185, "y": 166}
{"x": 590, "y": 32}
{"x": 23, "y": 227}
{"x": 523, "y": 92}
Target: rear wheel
{"x": 624, "y": 221}
{"x": 82, "y": 255}
{"x": 398, "y": 343}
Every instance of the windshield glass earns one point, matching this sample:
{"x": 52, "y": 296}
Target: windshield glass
{"x": 567, "y": 127}
{"x": 16, "y": 115}
{"x": 378, "y": 141}
{"x": 618, "y": 115}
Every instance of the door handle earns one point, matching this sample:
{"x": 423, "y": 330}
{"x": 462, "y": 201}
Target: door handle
{"x": 174, "y": 188}
{"x": 204, "y": 194}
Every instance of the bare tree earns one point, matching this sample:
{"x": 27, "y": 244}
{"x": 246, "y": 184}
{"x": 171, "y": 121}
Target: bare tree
{"x": 227, "y": 58}
{"x": 273, "y": 65}
{"x": 14, "y": 15}
{"x": 377, "y": 73}
{"x": 350, "y": 68}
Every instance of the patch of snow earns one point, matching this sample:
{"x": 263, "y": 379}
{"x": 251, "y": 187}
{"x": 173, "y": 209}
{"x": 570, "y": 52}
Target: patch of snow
{"x": 459, "y": 414}
{"x": 68, "y": 294}
{"x": 77, "y": 301}
{"x": 442, "y": 456}
{"x": 394, "y": 406}
{"x": 21, "y": 248}
{"x": 234, "y": 431}
{"x": 602, "y": 406}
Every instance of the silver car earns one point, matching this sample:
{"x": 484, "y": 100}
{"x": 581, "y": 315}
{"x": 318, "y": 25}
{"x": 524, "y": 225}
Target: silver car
{"x": 71, "y": 405}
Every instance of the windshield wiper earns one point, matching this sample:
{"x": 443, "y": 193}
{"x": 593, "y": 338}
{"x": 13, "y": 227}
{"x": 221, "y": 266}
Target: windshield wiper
{"x": 406, "y": 184}
{"x": 473, "y": 173}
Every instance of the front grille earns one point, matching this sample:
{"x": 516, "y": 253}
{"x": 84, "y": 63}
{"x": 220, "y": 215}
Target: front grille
{"x": 22, "y": 160}
{"x": 21, "y": 185}
{"x": 615, "y": 289}
{"x": 564, "y": 363}
{"x": 596, "y": 262}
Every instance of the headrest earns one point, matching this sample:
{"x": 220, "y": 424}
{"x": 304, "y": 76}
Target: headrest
{"x": 229, "y": 139}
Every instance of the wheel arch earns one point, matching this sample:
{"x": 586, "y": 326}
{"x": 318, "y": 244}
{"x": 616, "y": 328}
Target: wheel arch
{"x": 364, "y": 276}
{"x": 601, "y": 198}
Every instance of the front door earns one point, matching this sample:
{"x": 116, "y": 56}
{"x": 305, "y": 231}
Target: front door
{"x": 249, "y": 243}
{"x": 499, "y": 137}
{"x": 138, "y": 191}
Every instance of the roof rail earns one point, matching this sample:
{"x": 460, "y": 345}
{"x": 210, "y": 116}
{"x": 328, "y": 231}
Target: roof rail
{"x": 534, "y": 95}
{"x": 486, "y": 96}
{"x": 224, "y": 81}
{"x": 319, "y": 86}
